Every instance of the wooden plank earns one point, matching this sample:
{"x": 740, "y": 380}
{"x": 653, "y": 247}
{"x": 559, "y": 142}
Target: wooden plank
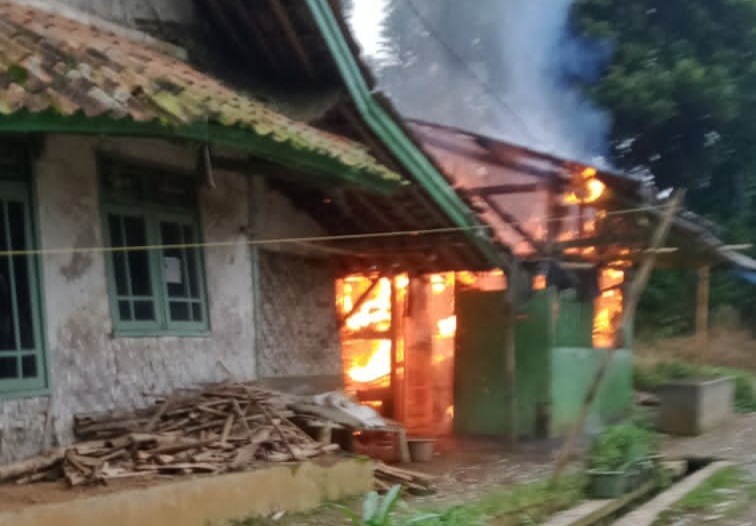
{"x": 594, "y": 511}
{"x": 227, "y": 429}
{"x": 510, "y": 220}
{"x": 291, "y": 35}
{"x": 505, "y": 189}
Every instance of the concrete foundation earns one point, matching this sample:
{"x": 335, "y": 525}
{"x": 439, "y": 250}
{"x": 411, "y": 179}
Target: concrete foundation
{"x": 692, "y": 407}
{"x": 208, "y": 501}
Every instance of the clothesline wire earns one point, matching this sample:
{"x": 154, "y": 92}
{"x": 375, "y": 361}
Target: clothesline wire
{"x": 289, "y": 240}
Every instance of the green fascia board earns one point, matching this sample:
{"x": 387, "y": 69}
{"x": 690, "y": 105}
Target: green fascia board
{"x": 323, "y": 168}
{"x": 393, "y": 136}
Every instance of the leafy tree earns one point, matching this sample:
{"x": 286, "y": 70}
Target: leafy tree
{"x": 681, "y": 88}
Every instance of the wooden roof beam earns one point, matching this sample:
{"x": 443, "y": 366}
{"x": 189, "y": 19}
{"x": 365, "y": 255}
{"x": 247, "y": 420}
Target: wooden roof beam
{"x": 291, "y": 34}
{"x": 505, "y": 189}
{"x": 510, "y": 220}
{"x": 256, "y": 33}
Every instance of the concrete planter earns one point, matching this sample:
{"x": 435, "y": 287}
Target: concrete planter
{"x": 691, "y": 407}
{"x": 607, "y": 484}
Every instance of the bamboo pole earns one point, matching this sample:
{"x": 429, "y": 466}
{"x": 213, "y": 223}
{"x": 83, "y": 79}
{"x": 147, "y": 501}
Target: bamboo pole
{"x": 633, "y": 297}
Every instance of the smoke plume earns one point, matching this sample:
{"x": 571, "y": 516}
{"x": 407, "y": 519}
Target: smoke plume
{"x": 512, "y": 69}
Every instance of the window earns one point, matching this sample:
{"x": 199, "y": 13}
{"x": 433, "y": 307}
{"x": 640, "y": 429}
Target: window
{"x": 22, "y": 359}
{"x": 153, "y": 290}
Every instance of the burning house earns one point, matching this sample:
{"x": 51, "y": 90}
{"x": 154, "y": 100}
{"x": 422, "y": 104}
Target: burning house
{"x": 303, "y": 237}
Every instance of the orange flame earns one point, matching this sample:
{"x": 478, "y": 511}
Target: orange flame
{"x": 589, "y": 189}
{"x": 375, "y": 312}
{"x": 440, "y": 282}
{"x": 539, "y": 282}
{"x": 447, "y": 327}
{"x": 467, "y": 278}
{"x": 378, "y": 364}
{"x": 609, "y": 308}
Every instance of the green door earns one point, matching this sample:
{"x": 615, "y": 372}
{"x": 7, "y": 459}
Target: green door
{"x": 480, "y": 390}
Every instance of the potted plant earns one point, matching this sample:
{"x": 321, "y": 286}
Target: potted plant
{"x": 618, "y": 460}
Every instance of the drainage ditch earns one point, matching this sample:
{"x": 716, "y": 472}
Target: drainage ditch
{"x": 618, "y": 508}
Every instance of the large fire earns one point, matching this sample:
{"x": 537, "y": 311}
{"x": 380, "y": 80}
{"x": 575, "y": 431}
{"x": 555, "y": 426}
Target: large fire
{"x": 398, "y": 343}
{"x": 378, "y": 365}
{"x": 609, "y": 307}
{"x": 587, "y": 189}
{"x": 447, "y": 327}
{"x": 375, "y": 312}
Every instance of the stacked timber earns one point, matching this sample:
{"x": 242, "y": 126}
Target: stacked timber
{"x": 213, "y": 429}
{"x": 414, "y": 482}
{"x": 219, "y": 428}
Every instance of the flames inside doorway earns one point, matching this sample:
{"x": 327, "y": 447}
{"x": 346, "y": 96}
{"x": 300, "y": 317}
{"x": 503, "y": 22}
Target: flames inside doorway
{"x": 398, "y": 337}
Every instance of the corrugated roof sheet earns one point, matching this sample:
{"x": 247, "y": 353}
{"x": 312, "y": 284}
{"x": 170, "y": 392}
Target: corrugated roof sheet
{"x": 49, "y": 62}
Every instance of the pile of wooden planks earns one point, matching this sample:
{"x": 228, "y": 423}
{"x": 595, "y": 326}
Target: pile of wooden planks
{"x": 214, "y": 429}
{"x": 414, "y": 482}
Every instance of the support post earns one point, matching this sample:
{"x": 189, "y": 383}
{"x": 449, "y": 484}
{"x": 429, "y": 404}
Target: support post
{"x": 702, "y": 312}
{"x": 510, "y": 352}
{"x": 396, "y": 388}
{"x": 636, "y": 289}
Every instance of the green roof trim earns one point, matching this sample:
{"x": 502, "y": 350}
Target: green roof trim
{"x": 323, "y": 168}
{"x": 393, "y": 136}
{"x": 56, "y": 72}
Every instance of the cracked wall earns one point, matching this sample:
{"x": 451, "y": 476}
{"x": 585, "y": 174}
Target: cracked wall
{"x": 89, "y": 369}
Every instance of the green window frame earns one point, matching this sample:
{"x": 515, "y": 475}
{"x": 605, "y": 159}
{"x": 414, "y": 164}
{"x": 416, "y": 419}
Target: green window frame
{"x": 159, "y": 291}
{"x": 23, "y": 360}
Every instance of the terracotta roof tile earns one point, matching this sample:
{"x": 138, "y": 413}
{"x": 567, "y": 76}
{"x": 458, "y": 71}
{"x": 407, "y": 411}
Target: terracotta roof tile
{"x": 52, "y": 63}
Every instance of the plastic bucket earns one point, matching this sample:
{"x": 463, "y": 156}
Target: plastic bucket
{"x": 421, "y": 449}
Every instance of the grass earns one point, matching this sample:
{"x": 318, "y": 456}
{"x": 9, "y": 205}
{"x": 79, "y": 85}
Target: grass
{"x": 730, "y": 482}
{"x": 524, "y": 504}
{"x": 649, "y": 376}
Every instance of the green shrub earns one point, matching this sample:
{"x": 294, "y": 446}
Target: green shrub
{"x": 377, "y": 510}
{"x": 621, "y": 446}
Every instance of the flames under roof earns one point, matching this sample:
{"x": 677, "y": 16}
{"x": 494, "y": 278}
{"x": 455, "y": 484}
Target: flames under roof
{"x": 280, "y": 39}
{"x": 504, "y": 183}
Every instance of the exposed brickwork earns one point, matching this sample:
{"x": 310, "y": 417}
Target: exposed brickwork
{"x": 299, "y": 329}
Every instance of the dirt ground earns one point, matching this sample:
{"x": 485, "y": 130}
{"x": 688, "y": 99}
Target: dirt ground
{"x": 734, "y": 441}
{"x": 467, "y": 470}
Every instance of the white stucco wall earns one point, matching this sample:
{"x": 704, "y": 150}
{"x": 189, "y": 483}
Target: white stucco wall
{"x": 91, "y": 370}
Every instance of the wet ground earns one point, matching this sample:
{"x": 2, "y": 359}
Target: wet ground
{"x": 734, "y": 441}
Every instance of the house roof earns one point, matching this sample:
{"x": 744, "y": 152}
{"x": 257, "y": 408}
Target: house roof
{"x": 60, "y": 74}
{"x": 291, "y": 43}
{"x": 508, "y": 186}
